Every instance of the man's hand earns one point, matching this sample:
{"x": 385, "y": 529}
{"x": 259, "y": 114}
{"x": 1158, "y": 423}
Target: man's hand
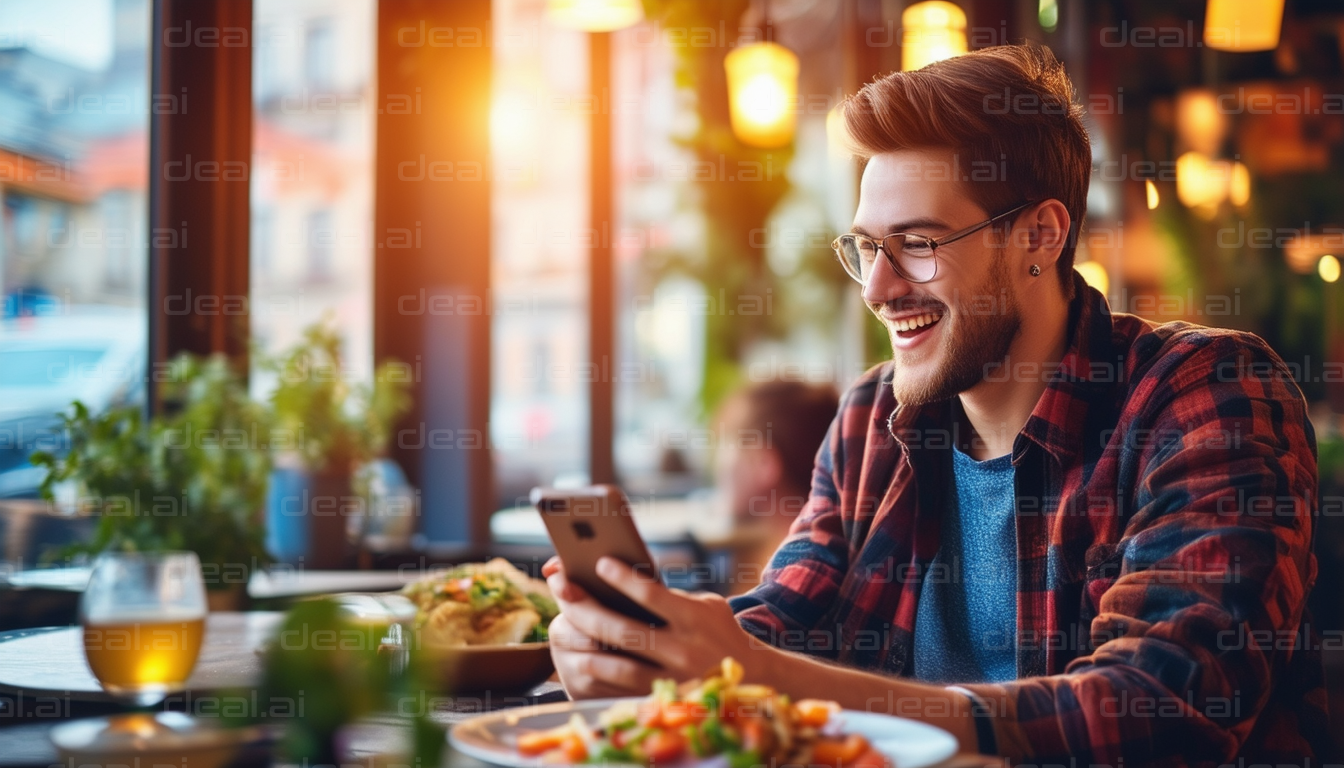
{"x": 599, "y": 652}
{"x": 700, "y": 631}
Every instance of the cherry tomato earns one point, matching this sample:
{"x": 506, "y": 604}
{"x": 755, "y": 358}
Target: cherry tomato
{"x": 541, "y": 741}
{"x": 753, "y": 733}
{"x": 814, "y": 712}
{"x": 871, "y": 758}
{"x": 650, "y": 714}
{"x": 574, "y": 749}
{"x": 839, "y": 752}
{"x": 663, "y": 746}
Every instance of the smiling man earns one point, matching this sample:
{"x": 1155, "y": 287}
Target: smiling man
{"x": 1054, "y": 530}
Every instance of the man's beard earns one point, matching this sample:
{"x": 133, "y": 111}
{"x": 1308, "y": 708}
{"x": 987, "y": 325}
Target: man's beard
{"x": 978, "y": 342}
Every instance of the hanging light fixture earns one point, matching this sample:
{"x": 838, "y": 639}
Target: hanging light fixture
{"x": 1200, "y": 124}
{"x": 1328, "y": 268}
{"x": 1243, "y": 25}
{"x": 1203, "y": 183}
{"x": 931, "y": 31}
{"x": 595, "y": 15}
{"x": 762, "y": 93}
{"x": 1199, "y": 183}
{"x": 1239, "y": 184}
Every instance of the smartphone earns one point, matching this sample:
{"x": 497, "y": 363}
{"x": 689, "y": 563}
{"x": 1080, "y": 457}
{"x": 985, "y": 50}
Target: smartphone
{"x": 587, "y": 523}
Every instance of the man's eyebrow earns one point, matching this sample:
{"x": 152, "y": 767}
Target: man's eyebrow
{"x": 911, "y": 225}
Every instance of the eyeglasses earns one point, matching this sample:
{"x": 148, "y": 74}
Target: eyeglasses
{"x": 912, "y": 256}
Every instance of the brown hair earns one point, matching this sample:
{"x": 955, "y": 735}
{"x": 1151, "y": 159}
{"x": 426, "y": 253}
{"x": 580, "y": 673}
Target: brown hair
{"x": 1008, "y": 108}
{"x": 794, "y": 415}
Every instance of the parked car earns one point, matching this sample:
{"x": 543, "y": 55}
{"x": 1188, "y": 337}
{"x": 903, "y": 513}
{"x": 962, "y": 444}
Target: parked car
{"x": 95, "y": 355}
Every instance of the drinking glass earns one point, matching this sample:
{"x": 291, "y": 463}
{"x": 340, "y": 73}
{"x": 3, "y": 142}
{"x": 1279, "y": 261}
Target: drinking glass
{"x": 144, "y": 619}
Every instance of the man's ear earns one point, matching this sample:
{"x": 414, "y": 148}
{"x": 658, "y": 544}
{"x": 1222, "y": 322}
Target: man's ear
{"x": 1047, "y": 227}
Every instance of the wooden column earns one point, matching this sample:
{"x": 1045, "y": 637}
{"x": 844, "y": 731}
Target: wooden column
{"x": 200, "y": 160}
{"x": 432, "y": 251}
{"x": 601, "y": 269}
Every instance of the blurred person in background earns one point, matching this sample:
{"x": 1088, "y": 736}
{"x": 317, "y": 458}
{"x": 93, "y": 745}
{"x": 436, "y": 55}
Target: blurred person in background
{"x": 768, "y": 435}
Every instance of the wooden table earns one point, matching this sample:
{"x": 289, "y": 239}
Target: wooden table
{"x": 277, "y": 582}
{"x": 44, "y": 681}
{"x": 48, "y": 663}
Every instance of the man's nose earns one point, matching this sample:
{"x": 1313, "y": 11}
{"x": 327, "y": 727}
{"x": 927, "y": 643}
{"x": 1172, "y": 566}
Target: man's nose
{"x": 884, "y": 284}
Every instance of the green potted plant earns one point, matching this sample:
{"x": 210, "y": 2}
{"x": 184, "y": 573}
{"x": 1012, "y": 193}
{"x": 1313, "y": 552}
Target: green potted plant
{"x": 334, "y": 427}
{"x": 193, "y": 478}
{"x": 317, "y": 688}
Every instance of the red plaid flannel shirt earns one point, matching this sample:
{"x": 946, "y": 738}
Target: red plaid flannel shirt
{"x": 1165, "y": 490}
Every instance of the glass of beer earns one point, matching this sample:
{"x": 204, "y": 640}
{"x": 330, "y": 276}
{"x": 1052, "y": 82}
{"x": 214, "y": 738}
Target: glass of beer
{"x": 144, "y": 618}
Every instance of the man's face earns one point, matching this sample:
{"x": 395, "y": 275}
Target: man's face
{"x": 968, "y": 315}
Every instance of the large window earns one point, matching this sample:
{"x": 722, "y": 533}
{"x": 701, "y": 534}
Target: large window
{"x": 74, "y": 127}
{"x": 661, "y": 336}
{"x": 539, "y": 138}
{"x": 680, "y": 347}
{"x": 312, "y": 181}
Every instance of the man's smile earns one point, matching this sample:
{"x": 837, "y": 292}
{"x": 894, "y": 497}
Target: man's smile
{"x": 916, "y": 322}
{"x": 911, "y": 324}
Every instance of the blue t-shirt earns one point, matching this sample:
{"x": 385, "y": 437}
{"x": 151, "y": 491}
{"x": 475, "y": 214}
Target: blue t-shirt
{"x": 966, "y": 625}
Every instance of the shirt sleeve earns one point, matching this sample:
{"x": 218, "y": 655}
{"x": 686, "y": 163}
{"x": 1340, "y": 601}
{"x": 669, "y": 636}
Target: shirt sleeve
{"x": 1203, "y": 604}
{"x": 803, "y": 578}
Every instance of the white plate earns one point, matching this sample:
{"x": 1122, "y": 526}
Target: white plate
{"x": 491, "y": 737}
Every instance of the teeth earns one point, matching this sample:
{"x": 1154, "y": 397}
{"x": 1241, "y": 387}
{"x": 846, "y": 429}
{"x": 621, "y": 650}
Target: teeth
{"x": 911, "y": 323}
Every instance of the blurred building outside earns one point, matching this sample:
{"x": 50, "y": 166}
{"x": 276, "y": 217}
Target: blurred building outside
{"x": 312, "y": 176}
{"x": 74, "y": 116}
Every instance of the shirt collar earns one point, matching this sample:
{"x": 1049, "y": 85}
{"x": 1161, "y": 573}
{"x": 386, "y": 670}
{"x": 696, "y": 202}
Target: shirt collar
{"x": 1088, "y": 367}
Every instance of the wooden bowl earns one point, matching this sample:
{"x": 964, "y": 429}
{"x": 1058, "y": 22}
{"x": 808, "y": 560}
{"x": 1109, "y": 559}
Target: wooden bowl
{"x": 512, "y": 668}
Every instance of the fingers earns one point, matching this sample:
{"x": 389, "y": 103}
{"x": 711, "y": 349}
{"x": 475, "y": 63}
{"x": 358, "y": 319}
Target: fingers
{"x": 596, "y": 621}
{"x": 552, "y": 566}
{"x": 587, "y": 674}
{"x": 564, "y": 590}
{"x": 600, "y": 676}
{"x": 611, "y": 629}
{"x": 642, "y": 586}
{"x": 564, "y": 637}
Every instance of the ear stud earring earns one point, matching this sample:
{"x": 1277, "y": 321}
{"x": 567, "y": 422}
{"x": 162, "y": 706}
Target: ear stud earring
{"x": 1035, "y": 270}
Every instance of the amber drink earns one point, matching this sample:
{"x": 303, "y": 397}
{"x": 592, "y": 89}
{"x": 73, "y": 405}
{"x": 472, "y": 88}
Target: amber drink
{"x": 144, "y": 621}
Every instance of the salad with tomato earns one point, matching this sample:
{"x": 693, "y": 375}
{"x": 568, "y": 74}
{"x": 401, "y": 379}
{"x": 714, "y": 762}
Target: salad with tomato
{"x": 719, "y": 716}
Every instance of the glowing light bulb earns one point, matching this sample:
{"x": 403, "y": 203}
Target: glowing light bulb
{"x": 595, "y": 15}
{"x": 1243, "y": 25}
{"x": 1328, "y": 268}
{"x": 1239, "y": 185}
{"x": 931, "y": 31}
{"x": 762, "y": 91}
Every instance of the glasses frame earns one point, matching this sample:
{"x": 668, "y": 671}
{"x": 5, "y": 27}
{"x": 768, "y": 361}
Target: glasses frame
{"x": 933, "y": 244}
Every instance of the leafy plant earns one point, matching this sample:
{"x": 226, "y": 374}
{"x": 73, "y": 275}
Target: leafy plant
{"x": 323, "y": 671}
{"x": 193, "y": 479}
{"x": 337, "y": 425}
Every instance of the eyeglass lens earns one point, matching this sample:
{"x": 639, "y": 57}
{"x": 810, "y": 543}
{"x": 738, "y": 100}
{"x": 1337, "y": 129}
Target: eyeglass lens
{"x": 912, "y": 255}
